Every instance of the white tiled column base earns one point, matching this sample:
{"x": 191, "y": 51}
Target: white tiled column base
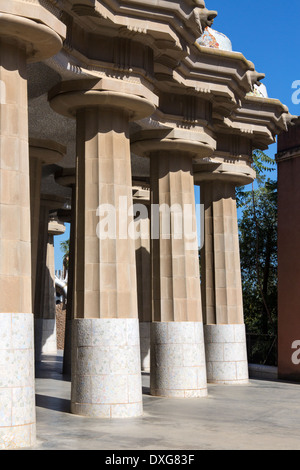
{"x": 106, "y": 368}
{"x": 226, "y": 354}
{"x": 178, "y": 360}
{"x": 17, "y": 392}
{"x": 145, "y": 346}
{"x": 45, "y": 337}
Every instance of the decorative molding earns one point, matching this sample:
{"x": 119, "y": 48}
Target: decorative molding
{"x": 288, "y": 154}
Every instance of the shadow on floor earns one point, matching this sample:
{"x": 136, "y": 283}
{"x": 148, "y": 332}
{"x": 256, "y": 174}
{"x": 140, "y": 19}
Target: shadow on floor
{"x": 52, "y": 403}
{"x": 50, "y": 367}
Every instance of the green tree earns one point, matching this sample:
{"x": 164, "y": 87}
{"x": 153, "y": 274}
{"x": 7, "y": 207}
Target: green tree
{"x": 65, "y": 247}
{"x": 258, "y": 249}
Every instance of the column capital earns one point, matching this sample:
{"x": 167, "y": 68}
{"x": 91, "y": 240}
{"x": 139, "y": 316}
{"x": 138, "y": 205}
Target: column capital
{"x": 47, "y": 151}
{"x": 52, "y": 201}
{"x": 195, "y": 144}
{"x": 39, "y": 40}
{"x": 231, "y": 162}
{"x": 55, "y": 227}
{"x": 237, "y": 174}
{"x": 68, "y": 97}
{"x": 141, "y": 193}
{"x": 66, "y": 177}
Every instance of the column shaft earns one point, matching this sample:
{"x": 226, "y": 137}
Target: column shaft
{"x": 35, "y": 166}
{"x": 40, "y": 153}
{"x": 67, "y": 362}
{"x": 221, "y": 286}
{"x": 177, "y": 347}
{"x": 45, "y": 294}
{"x": 106, "y": 371}
{"x": 17, "y": 419}
{"x": 176, "y": 284}
{"x": 105, "y": 282}
{"x": 143, "y": 270}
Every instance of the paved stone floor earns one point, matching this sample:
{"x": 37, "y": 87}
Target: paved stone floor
{"x": 261, "y": 415}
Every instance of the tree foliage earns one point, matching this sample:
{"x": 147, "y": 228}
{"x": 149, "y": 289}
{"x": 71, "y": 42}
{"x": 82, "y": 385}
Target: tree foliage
{"x": 65, "y": 247}
{"x": 258, "y": 249}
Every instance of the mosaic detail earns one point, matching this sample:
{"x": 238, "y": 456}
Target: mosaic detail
{"x": 178, "y": 360}
{"x": 215, "y": 40}
{"x": 259, "y": 90}
{"x": 226, "y": 354}
{"x": 106, "y": 368}
{"x": 17, "y": 393}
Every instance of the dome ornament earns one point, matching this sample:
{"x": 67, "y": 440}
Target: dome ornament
{"x": 214, "y": 40}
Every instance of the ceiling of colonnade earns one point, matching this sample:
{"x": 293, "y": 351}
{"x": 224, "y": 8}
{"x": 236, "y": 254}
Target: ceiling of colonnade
{"x": 231, "y": 74}
{"x": 45, "y": 124}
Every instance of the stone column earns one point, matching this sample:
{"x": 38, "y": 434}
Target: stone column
{"x": 20, "y": 38}
{"x": 67, "y": 177}
{"x": 41, "y": 152}
{"x": 55, "y": 228}
{"x": 141, "y": 200}
{"x": 224, "y": 330}
{"x": 44, "y": 306}
{"x": 106, "y": 370}
{"x": 177, "y": 346}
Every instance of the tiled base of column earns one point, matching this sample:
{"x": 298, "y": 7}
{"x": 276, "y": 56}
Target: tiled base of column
{"x": 106, "y": 368}
{"x": 45, "y": 337}
{"x": 226, "y": 354}
{"x": 17, "y": 392}
{"x": 145, "y": 346}
{"x": 178, "y": 360}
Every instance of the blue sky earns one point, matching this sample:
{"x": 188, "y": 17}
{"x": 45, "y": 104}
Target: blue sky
{"x": 267, "y": 34}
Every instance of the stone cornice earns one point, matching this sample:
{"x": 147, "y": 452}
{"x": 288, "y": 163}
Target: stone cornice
{"x": 154, "y": 44}
{"x": 288, "y": 154}
{"x": 182, "y": 21}
{"x": 261, "y": 118}
{"x": 46, "y": 12}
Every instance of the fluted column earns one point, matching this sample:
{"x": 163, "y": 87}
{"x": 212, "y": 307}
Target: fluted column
{"x": 17, "y": 427}
{"x": 67, "y": 177}
{"x": 44, "y": 305}
{"x": 224, "y": 329}
{"x": 49, "y": 335}
{"x": 106, "y": 371}
{"x": 41, "y": 152}
{"x": 177, "y": 346}
{"x": 20, "y": 39}
{"x": 141, "y": 200}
